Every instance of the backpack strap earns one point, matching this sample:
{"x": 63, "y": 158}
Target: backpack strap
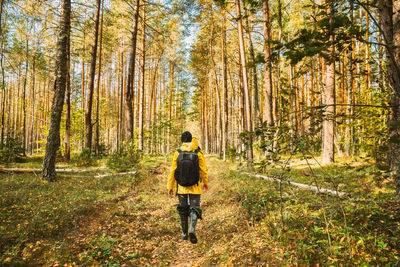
{"x": 176, "y": 192}
{"x": 197, "y": 150}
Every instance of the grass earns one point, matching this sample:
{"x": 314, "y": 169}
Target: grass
{"x": 358, "y": 176}
{"x": 33, "y": 210}
{"x": 114, "y": 220}
{"x": 362, "y": 229}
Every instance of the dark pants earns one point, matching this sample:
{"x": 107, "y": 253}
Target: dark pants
{"x": 189, "y": 203}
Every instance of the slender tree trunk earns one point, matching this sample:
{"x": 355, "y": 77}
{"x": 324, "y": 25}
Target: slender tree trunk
{"x": 97, "y": 134}
{"x": 33, "y": 103}
{"x": 116, "y": 101}
{"x": 121, "y": 101}
{"x": 141, "y": 105}
{"x": 3, "y": 83}
{"x": 83, "y": 73}
{"x": 350, "y": 86}
{"x": 257, "y": 115}
{"x": 225, "y": 88}
{"x": 268, "y": 107}
{"x": 249, "y": 147}
{"x": 67, "y": 152}
{"x": 218, "y": 113}
{"x": 328, "y": 155}
{"x": 129, "y": 94}
{"x": 89, "y": 103}
{"x": 53, "y": 139}
{"x": 171, "y": 89}
{"x": 1, "y": 14}
{"x": 24, "y": 97}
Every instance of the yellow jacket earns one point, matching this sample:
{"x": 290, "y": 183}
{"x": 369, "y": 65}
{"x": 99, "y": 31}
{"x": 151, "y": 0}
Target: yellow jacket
{"x": 194, "y": 189}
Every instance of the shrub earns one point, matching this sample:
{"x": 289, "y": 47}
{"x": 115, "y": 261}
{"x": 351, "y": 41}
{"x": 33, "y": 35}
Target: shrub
{"x": 83, "y": 159}
{"x": 127, "y": 156}
{"x": 11, "y": 150}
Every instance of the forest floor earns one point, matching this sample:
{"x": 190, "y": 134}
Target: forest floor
{"x": 130, "y": 220}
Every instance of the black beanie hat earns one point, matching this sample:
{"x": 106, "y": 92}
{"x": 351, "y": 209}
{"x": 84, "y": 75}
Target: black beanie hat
{"x": 186, "y": 137}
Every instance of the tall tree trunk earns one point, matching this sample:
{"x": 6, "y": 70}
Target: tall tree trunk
{"x": 129, "y": 93}
{"x": 328, "y": 126}
{"x": 89, "y": 103}
{"x": 268, "y": 106}
{"x": 225, "y": 88}
{"x": 141, "y": 105}
{"x": 390, "y": 14}
{"x": 218, "y": 113}
{"x": 121, "y": 101}
{"x": 3, "y": 83}
{"x": 83, "y": 72}
{"x": 257, "y": 115}
{"x": 171, "y": 89}
{"x": 53, "y": 139}
{"x": 67, "y": 152}
{"x": 24, "y": 97}
{"x": 1, "y": 14}
{"x": 33, "y": 103}
{"x": 242, "y": 50}
{"x": 97, "y": 134}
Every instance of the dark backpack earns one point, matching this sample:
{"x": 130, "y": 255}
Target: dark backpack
{"x": 187, "y": 172}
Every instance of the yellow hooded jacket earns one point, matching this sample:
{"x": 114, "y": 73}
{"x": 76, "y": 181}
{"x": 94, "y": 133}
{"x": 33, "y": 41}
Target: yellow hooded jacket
{"x": 194, "y": 189}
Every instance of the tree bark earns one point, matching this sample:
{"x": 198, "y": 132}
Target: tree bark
{"x": 141, "y": 105}
{"x": 389, "y": 11}
{"x": 67, "y": 152}
{"x": 97, "y": 134}
{"x": 242, "y": 50}
{"x": 129, "y": 93}
{"x": 328, "y": 126}
{"x": 89, "y": 103}
{"x": 268, "y": 107}
{"x": 53, "y": 139}
{"x": 3, "y": 82}
{"x": 254, "y": 73}
{"x": 24, "y": 97}
{"x": 171, "y": 89}
{"x": 1, "y": 14}
{"x": 225, "y": 88}
{"x": 33, "y": 103}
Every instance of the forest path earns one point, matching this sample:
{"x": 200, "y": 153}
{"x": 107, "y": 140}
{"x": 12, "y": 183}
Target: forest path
{"x": 225, "y": 236}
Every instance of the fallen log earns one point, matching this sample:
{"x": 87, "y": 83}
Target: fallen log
{"x": 114, "y": 174}
{"x": 304, "y": 186}
{"x": 25, "y": 170}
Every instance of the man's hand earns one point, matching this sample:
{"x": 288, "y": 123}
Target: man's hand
{"x": 170, "y": 192}
{"x": 205, "y": 187}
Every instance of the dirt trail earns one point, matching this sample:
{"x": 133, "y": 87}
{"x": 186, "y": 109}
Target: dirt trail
{"x": 144, "y": 227}
{"x": 223, "y": 233}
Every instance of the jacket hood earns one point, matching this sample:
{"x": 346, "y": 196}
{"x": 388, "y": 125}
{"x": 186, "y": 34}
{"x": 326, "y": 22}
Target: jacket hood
{"x": 190, "y": 146}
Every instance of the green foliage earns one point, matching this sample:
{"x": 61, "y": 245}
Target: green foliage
{"x": 35, "y": 213}
{"x": 126, "y": 158}
{"x": 83, "y": 159}
{"x": 98, "y": 250}
{"x": 313, "y": 38}
{"x": 11, "y": 151}
{"x": 361, "y": 233}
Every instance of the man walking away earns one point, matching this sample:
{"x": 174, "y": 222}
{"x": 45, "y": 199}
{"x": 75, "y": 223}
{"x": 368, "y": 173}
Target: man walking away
{"x": 188, "y": 176}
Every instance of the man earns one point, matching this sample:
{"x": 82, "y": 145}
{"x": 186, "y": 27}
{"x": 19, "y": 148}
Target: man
{"x": 188, "y": 176}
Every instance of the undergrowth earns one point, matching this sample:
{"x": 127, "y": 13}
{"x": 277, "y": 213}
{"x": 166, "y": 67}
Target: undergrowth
{"x": 34, "y": 213}
{"x": 322, "y": 229}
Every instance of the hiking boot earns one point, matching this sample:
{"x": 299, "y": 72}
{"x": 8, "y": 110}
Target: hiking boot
{"x": 184, "y": 223}
{"x": 192, "y": 227}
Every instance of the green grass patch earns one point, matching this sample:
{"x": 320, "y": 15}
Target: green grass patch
{"x": 321, "y": 229}
{"x": 33, "y": 210}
